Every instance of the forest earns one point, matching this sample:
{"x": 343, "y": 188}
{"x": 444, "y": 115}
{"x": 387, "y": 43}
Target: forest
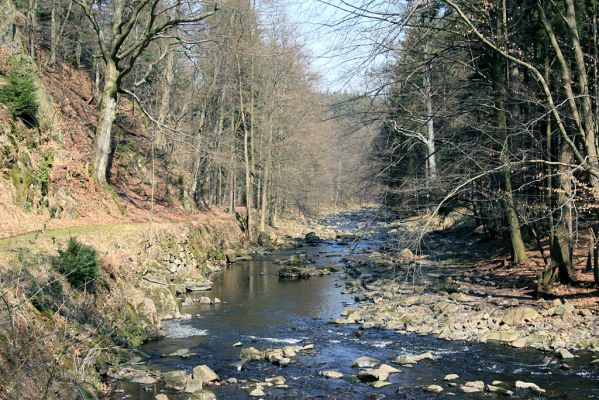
{"x": 180, "y": 178}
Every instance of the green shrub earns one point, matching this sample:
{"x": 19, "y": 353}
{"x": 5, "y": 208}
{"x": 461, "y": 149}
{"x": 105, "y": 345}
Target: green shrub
{"x": 79, "y": 264}
{"x": 19, "y": 95}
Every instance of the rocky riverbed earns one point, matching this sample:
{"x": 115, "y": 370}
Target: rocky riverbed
{"x": 408, "y": 294}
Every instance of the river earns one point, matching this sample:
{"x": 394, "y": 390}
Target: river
{"x": 262, "y": 311}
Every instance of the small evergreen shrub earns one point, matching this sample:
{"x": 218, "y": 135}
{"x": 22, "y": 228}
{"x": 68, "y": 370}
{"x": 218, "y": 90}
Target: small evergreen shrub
{"x": 79, "y": 264}
{"x": 19, "y": 94}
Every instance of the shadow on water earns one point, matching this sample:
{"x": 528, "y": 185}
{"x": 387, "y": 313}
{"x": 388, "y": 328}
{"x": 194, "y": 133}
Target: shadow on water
{"x": 260, "y": 310}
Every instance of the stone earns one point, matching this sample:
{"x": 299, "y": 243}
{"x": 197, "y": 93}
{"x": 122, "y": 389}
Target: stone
{"x": 311, "y": 237}
{"x": 501, "y": 336}
{"x": 204, "y": 373}
{"x": 257, "y": 391}
{"x": 144, "y": 380}
{"x": 276, "y": 380}
{"x": 434, "y": 388}
{"x": 216, "y": 300}
{"x": 161, "y": 397}
{"x": 480, "y": 385}
{"x": 331, "y": 374}
{"x": 365, "y": 362}
{"x": 469, "y": 389}
{"x": 413, "y": 359}
{"x": 529, "y": 385}
{"x": 564, "y": 354}
{"x": 389, "y": 369}
{"x": 175, "y": 379}
{"x": 183, "y": 353}
{"x": 520, "y": 316}
{"x": 451, "y": 377}
{"x": 193, "y": 385}
{"x": 497, "y": 389}
{"x": 202, "y": 395}
{"x": 251, "y": 353}
{"x": 238, "y": 344}
{"x": 380, "y": 384}
{"x": 373, "y": 374}
{"x": 205, "y": 300}
{"x": 519, "y": 343}
{"x": 564, "y": 309}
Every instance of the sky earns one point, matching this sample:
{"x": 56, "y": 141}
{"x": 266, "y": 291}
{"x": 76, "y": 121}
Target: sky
{"x": 340, "y": 54}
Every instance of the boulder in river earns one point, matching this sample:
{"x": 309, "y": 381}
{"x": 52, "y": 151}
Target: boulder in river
{"x": 564, "y": 354}
{"x": 365, "y": 362}
{"x": 204, "y": 373}
{"x": 202, "y": 395}
{"x": 312, "y": 238}
{"x": 331, "y": 374}
{"x": 529, "y": 385}
{"x": 176, "y": 380}
{"x": 434, "y": 388}
{"x": 251, "y": 354}
{"x": 373, "y": 374}
{"x": 451, "y": 377}
{"x": 413, "y": 359}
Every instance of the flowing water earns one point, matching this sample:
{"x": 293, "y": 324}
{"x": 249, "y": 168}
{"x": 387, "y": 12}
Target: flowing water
{"x": 262, "y": 311}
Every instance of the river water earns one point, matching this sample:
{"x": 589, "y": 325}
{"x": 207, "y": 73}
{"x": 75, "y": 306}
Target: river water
{"x": 262, "y": 311}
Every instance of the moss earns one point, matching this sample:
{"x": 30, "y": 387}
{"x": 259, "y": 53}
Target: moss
{"x": 132, "y": 328}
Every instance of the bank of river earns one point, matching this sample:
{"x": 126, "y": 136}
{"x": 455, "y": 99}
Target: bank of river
{"x": 260, "y": 310}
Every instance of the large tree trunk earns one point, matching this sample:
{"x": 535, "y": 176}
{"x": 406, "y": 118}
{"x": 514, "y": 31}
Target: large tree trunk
{"x": 107, "y": 115}
{"x": 561, "y": 265}
{"x": 430, "y": 130}
{"x": 265, "y": 179}
{"x": 165, "y": 100}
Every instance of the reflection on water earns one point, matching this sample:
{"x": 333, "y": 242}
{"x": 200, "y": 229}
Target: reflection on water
{"x": 260, "y": 310}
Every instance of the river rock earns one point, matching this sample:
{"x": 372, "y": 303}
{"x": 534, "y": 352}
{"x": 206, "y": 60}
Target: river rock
{"x": 451, "y": 377}
{"x": 380, "y": 384}
{"x": 372, "y": 375}
{"x": 203, "y": 395}
{"x": 520, "y": 316}
{"x": 365, "y": 362}
{"x": 257, "y": 391}
{"x": 183, "y": 353}
{"x": 434, "y": 388}
{"x": 144, "y": 380}
{"x": 331, "y": 374}
{"x": 276, "y": 380}
{"x": 529, "y": 385}
{"x": 387, "y": 368}
{"x": 564, "y": 354}
{"x": 204, "y": 373}
{"x": 480, "y": 385}
{"x": 497, "y": 389}
{"x": 413, "y": 359}
{"x": 469, "y": 389}
{"x": 311, "y": 237}
{"x": 205, "y": 300}
{"x": 161, "y": 396}
{"x": 251, "y": 353}
{"x": 175, "y": 379}
{"x": 501, "y": 336}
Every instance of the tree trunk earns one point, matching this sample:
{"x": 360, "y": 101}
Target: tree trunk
{"x": 265, "y": 180}
{"x": 165, "y": 100}
{"x": 106, "y": 117}
{"x": 430, "y": 130}
{"x": 31, "y": 26}
{"x": 53, "y": 34}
